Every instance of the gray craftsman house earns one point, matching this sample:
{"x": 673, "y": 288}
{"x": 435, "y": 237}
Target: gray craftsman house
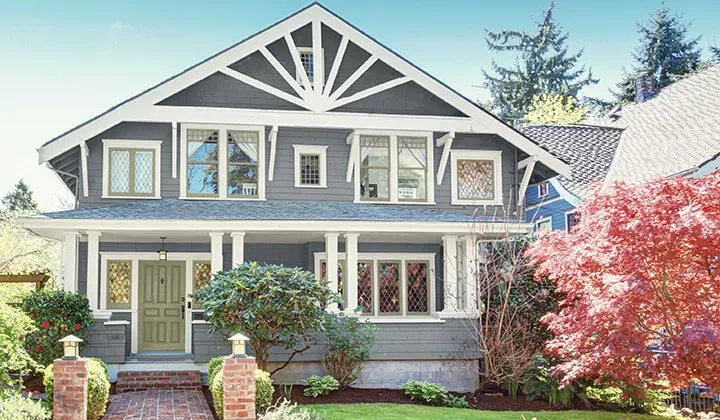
{"x": 308, "y": 144}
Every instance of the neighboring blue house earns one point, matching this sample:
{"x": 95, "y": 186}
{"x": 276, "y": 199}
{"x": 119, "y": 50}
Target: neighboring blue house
{"x": 589, "y": 150}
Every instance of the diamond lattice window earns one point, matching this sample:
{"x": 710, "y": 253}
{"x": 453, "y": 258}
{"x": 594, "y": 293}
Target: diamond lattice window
{"x": 201, "y": 275}
{"x": 475, "y": 180}
{"x": 143, "y": 172}
{"x": 119, "y": 171}
{"x": 364, "y": 286}
{"x": 119, "y": 273}
{"x": 132, "y": 172}
{"x": 417, "y": 287}
{"x": 389, "y": 287}
{"x": 309, "y": 169}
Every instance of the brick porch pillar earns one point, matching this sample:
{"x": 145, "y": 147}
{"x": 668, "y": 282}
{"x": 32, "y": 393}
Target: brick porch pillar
{"x": 70, "y": 387}
{"x": 239, "y": 388}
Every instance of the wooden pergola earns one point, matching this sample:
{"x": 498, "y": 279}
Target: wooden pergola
{"x": 38, "y": 278}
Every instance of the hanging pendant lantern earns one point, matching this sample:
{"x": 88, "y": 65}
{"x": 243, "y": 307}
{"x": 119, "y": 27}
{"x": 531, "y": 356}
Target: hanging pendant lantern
{"x": 162, "y": 252}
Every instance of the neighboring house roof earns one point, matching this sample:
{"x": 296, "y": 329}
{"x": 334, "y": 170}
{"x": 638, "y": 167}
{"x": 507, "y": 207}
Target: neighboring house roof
{"x": 588, "y": 149}
{"x": 671, "y": 134}
{"x": 139, "y": 106}
{"x": 277, "y": 210}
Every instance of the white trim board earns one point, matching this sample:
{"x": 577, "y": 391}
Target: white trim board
{"x": 282, "y": 29}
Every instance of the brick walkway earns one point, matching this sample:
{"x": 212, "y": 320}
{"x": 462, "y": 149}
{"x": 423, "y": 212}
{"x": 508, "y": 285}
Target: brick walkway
{"x": 165, "y": 404}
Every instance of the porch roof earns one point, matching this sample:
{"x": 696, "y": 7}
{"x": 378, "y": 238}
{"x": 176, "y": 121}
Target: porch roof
{"x": 271, "y": 210}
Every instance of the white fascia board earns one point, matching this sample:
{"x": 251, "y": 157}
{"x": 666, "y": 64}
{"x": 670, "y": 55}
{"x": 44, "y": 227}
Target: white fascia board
{"x": 247, "y": 226}
{"x": 564, "y": 193}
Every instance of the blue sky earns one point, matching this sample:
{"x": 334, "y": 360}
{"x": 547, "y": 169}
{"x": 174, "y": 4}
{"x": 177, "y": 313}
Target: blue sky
{"x": 64, "y": 62}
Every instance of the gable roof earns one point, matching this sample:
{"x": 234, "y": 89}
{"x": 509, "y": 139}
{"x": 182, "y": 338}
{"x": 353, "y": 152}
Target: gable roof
{"x": 672, "y": 133}
{"x": 143, "y": 102}
{"x": 588, "y": 149}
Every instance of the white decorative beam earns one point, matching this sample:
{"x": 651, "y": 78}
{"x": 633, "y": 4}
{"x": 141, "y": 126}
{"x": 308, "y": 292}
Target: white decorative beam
{"x": 353, "y": 77}
{"x": 368, "y": 92}
{"x": 84, "y": 166}
{"x": 265, "y": 87}
{"x": 174, "y": 148}
{"x": 354, "y": 141}
{"x": 529, "y": 168}
{"x": 335, "y": 67}
{"x": 295, "y": 54}
{"x": 318, "y": 61}
{"x": 525, "y": 162}
{"x": 283, "y": 72}
{"x": 446, "y": 141}
{"x": 272, "y": 137}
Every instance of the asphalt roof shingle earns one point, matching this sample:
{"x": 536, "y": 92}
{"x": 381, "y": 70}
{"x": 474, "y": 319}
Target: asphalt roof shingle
{"x": 267, "y": 210}
{"x": 588, "y": 149}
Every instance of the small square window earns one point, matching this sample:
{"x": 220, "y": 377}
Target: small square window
{"x": 544, "y": 224}
{"x": 131, "y": 168}
{"x": 542, "y": 189}
{"x": 476, "y": 177}
{"x": 310, "y": 166}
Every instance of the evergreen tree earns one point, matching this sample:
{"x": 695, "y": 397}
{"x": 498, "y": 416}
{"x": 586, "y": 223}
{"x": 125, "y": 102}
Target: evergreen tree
{"x": 543, "y": 65}
{"x": 664, "y": 52}
{"x": 20, "y": 199}
{"x": 715, "y": 51}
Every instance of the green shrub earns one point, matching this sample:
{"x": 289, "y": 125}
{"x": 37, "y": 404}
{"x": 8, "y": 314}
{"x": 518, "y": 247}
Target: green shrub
{"x": 17, "y": 407}
{"x": 14, "y": 326}
{"x": 450, "y": 400}
{"x": 612, "y": 398}
{"x": 349, "y": 344}
{"x": 539, "y": 383}
{"x": 287, "y": 411}
{"x": 216, "y": 389}
{"x": 56, "y": 314}
{"x": 98, "y": 388}
{"x": 423, "y": 390}
{"x": 263, "y": 391}
{"x": 214, "y": 365}
{"x": 320, "y": 385}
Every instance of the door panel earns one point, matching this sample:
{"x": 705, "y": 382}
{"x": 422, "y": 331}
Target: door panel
{"x": 161, "y": 323}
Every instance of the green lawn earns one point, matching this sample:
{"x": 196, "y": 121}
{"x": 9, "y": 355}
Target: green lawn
{"x": 420, "y": 412}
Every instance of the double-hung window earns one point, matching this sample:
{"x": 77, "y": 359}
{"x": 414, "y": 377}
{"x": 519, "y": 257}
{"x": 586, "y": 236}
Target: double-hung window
{"x": 394, "y": 167}
{"x": 476, "y": 177}
{"x": 131, "y": 168}
{"x": 223, "y": 161}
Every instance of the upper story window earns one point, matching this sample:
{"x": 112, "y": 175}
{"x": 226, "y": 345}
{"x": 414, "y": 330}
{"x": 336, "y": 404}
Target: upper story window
{"x": 543, "y": 224}
{"x": 542, "y": 189}
{"x": 476, "y": 177}
{"x": 395, "y": 168}
{"x": 131, "y": 168}
{"x": 308, "y": 62}
{"x": 572, "y": 219}
{"x": 222, "y": 162}
{"x": 310, "y": 166}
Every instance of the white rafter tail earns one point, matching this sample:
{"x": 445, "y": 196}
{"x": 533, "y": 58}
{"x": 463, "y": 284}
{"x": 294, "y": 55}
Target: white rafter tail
{"x": 84, "y": 166}
{"x": 368, "y": 92}
{"x": 265, "y": 87}
{"x": 283, "y": 72}
{"x": 272, "y": 138}
{"x": 353, "y": 77}
{"x": 318, "y": 59}
{"x": 529, "y": 165}
{"x": 354, "y": 141}
{"x": 446, "y": 141}
{"x": 335, "y": 67}
{"x": 299, "y": 69}
{"x": 174, "y": 128}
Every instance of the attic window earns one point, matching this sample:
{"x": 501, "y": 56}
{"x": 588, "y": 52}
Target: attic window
{"x": 542, "y": 190}
{"x": 308, "y": 62}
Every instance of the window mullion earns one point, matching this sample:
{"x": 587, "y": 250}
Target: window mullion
{"x": 222, "y": 163}
{"x": 393, "y": 162}
{"x": 131, "y": 173}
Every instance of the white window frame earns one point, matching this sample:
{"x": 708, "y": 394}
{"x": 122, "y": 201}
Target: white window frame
{"x": 495, "y": 156}
{"x": 306, "y": 50}
{"x": 543, "y": 220}
{"x": 540, "y": 189}
{"x": 304, "y": 149}
{"x": 403, "y": 259}
{"x": 567, "y": 213}
{"x": 394, "y": 166}
{"x": 154, "y": 145}
{"x": 222, "y": 160}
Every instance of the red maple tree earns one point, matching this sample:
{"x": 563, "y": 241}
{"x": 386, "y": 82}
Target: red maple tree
{"x": 641, "y": 274}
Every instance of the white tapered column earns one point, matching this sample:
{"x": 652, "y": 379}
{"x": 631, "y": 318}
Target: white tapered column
{"x": 450, "y": 274}
{"x": 238, "y": 248}
{"x": 351, "y": 261}
{"x": 70, "y": 261}
{"x": 93, "y": 260}
{"x": 331, "y": 250}
{"x": 470, "y": 270}
{"x": 216, "y": 256}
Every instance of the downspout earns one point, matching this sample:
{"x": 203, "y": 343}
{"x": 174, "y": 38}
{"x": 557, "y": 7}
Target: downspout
{"x": 77, "y": 180}
{"x": 516, "y": 186}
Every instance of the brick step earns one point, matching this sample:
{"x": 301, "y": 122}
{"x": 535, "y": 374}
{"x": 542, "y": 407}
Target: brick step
{"x": 142, "y": 380}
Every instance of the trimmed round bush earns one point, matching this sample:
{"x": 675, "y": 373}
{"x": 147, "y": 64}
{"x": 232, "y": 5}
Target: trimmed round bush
{"x": 15, "y": 407}
{"x": 263, "y": 391}
{"x": 98, "y": 388}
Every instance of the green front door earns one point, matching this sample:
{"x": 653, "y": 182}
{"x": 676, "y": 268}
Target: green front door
{"x": 161, "y": 323}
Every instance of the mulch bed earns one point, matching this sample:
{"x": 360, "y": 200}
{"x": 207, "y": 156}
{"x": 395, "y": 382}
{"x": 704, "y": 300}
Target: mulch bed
{"x": 34, "y": 383}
